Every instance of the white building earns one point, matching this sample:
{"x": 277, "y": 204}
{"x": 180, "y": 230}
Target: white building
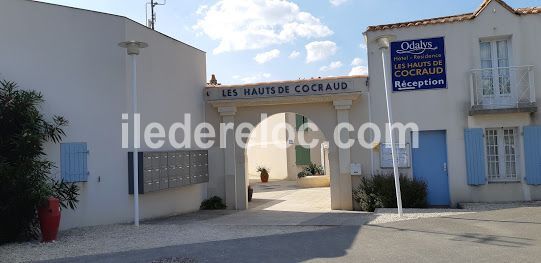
{"x": 72, "y": 57}
{"x": 480, "y": 130}
{"x": 471, "y": 82}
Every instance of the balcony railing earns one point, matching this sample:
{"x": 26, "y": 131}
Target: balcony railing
{"x": 502, "y": 88}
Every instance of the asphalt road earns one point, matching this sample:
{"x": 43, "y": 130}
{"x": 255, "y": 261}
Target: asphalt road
{"x": 509, "y": 235}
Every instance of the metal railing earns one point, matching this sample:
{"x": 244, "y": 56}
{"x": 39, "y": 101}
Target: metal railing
{"x": 505, "y": 87}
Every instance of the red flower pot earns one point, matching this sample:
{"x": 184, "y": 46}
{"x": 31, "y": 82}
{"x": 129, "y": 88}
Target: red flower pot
{"x": 49, "y": 219}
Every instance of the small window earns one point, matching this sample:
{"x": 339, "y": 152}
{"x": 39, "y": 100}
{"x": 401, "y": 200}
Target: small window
{"x": 501, "y": 154}
{"x": 302, "y": 155}
{"x": 73, "y": 162}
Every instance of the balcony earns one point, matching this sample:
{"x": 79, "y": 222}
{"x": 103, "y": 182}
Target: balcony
{"x": 502, "y": 90}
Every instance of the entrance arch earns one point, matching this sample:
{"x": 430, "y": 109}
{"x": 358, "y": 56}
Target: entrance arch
{"x": 285, "y": 144}
{"x": 325, "y": 108}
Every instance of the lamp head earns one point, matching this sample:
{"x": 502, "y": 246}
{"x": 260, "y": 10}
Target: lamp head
{"x": 133, "y": 46}
{"x": 384, "y": 42}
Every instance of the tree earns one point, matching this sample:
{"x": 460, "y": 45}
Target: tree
{"x": 24, "y": 172}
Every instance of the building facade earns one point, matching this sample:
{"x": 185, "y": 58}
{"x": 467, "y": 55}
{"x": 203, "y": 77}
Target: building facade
{"x": 72, "y": 57}
{"x": 471, "y": 83}
{"x": 484, "y": 121}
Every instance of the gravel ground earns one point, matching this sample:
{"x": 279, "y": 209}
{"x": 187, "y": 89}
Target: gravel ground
{"x": 174, "y": 260}
{"x": 116, "y": 238}
{"x": 496, "y": 206}
{"x": 387, "y": 215}
{"x": 197, "y": 228}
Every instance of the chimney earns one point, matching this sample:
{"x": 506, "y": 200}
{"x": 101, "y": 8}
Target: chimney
{"x": 213, "y": 81}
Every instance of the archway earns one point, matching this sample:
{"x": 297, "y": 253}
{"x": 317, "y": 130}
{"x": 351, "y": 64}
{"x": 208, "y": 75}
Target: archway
{"x": 295, "y": 153}
{"x": 326, "y": 102}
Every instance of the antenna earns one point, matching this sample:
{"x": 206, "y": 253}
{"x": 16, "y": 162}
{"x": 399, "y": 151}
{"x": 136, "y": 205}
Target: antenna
{"x": 152, "y": 21}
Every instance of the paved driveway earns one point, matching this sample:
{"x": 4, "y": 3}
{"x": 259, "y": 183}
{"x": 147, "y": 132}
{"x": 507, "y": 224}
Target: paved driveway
{"x": 287, "y": 196}
{"x": 508, "y": 235}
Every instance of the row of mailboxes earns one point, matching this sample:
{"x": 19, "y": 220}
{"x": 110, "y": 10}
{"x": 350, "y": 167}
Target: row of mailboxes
{"x": 164, "y": 170}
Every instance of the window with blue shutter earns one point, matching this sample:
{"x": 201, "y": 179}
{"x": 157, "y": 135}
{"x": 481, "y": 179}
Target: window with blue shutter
{"x": 475, "y": 156}
{"x": 73, "y": 162}
{"x": 532, "y": 154}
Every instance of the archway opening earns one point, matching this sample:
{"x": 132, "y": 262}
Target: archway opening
{"x": 295, "y": 153}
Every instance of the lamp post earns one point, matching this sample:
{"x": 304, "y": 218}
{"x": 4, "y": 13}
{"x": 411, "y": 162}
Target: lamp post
{"x": 384, "y": 43}
{"x": 133, "y": 48}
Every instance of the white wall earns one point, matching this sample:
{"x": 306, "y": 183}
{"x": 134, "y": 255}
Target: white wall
{"x": 267, "y": 152}
{"x": 448, "y": 109}
{"x": 72, "y": 57}
{"x": 309, "y": 136}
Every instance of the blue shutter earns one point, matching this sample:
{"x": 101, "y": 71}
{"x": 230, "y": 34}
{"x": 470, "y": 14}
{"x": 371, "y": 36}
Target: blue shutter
{"x": 73, "y": 162}
{"x": 532, "y": 154}
{"x": 475, "y": 156}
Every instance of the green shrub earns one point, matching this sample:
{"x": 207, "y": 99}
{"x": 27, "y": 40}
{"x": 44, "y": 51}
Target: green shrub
{"x": 378, "y": 191}
{"x": 311, "y": 170}
{"x": 213, "y": 203}
{"x": 24, "y": 171}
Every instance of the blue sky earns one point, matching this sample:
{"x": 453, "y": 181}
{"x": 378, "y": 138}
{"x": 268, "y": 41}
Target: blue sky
{"x": 258, "y": 40}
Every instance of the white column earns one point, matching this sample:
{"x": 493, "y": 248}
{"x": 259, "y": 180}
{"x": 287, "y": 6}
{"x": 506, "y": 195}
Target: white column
{"x": 230, "y": 169}
{"x": 344, "y": 187}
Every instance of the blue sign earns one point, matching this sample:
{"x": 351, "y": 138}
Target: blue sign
{"x": 418, "y": 64}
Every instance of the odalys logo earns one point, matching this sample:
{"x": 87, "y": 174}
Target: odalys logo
{"x": 415, "y": 47}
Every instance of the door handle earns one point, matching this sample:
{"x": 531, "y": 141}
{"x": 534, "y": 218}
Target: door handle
{"x": 445, "y": 167}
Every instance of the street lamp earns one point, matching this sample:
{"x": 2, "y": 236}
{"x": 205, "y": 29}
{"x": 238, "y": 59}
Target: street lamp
{"x": 133, "y": 48}
{"x": 384, "y": 43}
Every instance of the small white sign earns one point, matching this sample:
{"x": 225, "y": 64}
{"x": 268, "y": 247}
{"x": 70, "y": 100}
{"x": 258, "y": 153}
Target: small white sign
{"x": 356, "y": 169}
{"x": 403, "y": 155}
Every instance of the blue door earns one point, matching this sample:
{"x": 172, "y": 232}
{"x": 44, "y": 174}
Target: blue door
{"x": 430, "y": 164}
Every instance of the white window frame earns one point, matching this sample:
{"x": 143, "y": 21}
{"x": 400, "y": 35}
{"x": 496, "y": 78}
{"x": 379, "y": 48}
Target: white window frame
{"x": 502, "y": 155}
{"x": 495, "y": 70}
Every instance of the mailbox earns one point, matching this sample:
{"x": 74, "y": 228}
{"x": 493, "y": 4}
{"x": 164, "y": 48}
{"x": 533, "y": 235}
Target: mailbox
{"x": 171, "y": 169}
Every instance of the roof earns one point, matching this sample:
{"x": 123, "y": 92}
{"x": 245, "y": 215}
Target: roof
{"x": 286, "y": 81}
{"x": 119, "y": 16}
{"x": 457, "y": 18}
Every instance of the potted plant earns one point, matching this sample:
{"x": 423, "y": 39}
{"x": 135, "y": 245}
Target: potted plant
{"x": 62, "y": 195}
{"x": 25, "y": 182}
{"x": 263, "y": 173}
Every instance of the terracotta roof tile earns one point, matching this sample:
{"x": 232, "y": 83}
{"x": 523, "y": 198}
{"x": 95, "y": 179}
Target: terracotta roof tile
{"x": 456, "y": 18}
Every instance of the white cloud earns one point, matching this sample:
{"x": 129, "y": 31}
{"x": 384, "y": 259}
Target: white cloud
{"x": 255, "y": 24}
{"x": 294, "y": 54}
{"x": 253, "y": 78}
{"x": 362, "y": 46}
{"x": 319, "y": 50}
{"x": 265, "y": 57}
{"x": 337, "y": 2}
{"x": 201, "y": 9}
{"x": 357, "y": 62}
{"x": 359, "y": 70}
{"x": 334, "y": 65}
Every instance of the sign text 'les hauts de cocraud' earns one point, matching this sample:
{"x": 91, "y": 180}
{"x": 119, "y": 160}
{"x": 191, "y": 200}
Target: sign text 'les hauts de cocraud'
{"x": 418, "y": 64}
{"x": 301, "y": 88}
